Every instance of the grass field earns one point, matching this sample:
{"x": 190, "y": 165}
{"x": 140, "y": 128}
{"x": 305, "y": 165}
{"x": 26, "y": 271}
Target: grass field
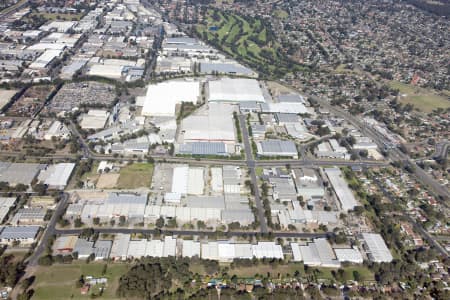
{"x": 282, "y": 271}
{"x": 423, "y": 99}
{"x": 57, "y": 16}
{"x": 248, "y": 39}
{"x": 135, "y": 176}
{"x": 58, "y": 281}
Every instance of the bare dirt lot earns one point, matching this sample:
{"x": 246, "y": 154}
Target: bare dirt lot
{"x": 107, "y": 180}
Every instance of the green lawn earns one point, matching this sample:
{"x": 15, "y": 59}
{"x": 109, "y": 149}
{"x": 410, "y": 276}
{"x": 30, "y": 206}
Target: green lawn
{"x": 57, "y": 16}
{"x": 58, "y": 281}
{"x": 236, "y": 35}
{"x": 425, "y": 100}
{"x": 135, "y": 175}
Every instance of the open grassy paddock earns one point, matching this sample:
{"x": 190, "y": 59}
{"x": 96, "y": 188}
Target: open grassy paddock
{"x": 58, "y": 281}
{"x": 135, "y": 176}
{"x": 423, "y": 99}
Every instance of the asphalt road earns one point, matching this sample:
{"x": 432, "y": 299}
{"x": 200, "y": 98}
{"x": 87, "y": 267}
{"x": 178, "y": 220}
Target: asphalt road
{"x": 251, "y": 164}
{"x": 49, "y": 231}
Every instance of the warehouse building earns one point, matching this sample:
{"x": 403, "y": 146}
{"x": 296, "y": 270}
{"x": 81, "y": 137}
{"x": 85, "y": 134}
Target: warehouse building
{"x": 83, "y": 248}
{"x": 19, "y": 173}
{"x": 214, "y": 124}
{"x": 57, "y": 176}
{"x": 102, "y": 249}
{"x": 190, "y": 248}
{"x": 119, "y": 249}
{"x": 24, "y": 234}
{"x": 230, "y": 68}
{"x": 267, "y": 250}
{"x": 188, "y": 180}
{"x": 351, "y": 255}
{"x": 376, "y": 248}
{"x": 161, "y": 98}
{"x": 316, "y": 253}
{"x": 94, "y": 119}
{"x": 204, "y": 149}
{"x": 343, "y": 192}
{"x": 234, "y": 90}
{"x": 308, "y": 184}
{"x": 29, "y": 216}
{"x": 45, "y": 59}
{"x": 152, "y": 248}
{"x": 277, "y": 148}
{"x": 5, "y": 206}
{"x": 64, "y": 244}
{"x": 285, "y": 108}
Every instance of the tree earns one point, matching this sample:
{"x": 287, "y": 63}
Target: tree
{"x": 45, "y": 260}
{"x": 201, "y": 224}
{"x": 77, "y": 223}
{"x": 96, "y": 221}
{"x": 80, "y": 282}
{"x": 160, "y": 222}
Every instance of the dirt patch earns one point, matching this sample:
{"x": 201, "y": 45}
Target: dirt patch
{"x": 107, "y": 180}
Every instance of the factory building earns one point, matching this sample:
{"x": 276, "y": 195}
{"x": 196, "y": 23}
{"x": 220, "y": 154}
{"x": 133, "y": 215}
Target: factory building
{"x": 234, "y": 90}
{"x": 343, "y": 192}
{"x": 376, "y": 248}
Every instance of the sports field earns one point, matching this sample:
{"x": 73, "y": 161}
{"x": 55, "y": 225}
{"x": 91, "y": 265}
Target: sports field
{"x": 423, "y": 99}
{"x": 59, "y": 281}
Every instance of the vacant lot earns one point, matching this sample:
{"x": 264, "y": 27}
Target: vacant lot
{"x": 107, "y": 180}
{"x": 424, "y": 100}
{"x": 58, "y": 281}
{"x": 31, "y": 101}
{"x": 5, "y": 97}
{"x": 135, "y": 176}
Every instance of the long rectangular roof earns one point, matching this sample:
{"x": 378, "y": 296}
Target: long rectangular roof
{"x": 235, "y": 90}
{"x": 377, "y": 249}
{"x": 162, "y": 98}
{"x": 190, "y": 248}
{"x": 57, "y": 175}
{"x": 19, "y": 232}
{"x": 341, "y": 188}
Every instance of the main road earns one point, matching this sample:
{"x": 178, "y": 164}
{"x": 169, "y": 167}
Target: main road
{"x": 251, "y": 164}
{"x": 49, "y": 231}
{"x": 116, "y": 230}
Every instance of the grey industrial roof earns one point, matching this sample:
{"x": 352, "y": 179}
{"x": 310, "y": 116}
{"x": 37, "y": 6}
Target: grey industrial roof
{"x": 122, "y": 198}
{"x": 224, "y": 68}
{"x": 15, "y": 173}
{"x": 238, "y": 215}
{"x": 286, "y": 118}
{"x": 102, "y": 249}
{"x": 206, "y": 201}
{"x": 278, "y": 146}
{"x": 203, "y": 148}
{"x": 19, "y": 232}
{"x": 84, "y": 247}
{"x": 181, "y": 40}
{"x": 290, "y": 98}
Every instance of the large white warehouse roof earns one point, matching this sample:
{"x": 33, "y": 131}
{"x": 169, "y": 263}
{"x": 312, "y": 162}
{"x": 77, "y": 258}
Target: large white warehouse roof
{"x": 341, "y": 188}
{"x": 235, "y": 90}
{"x": 377, "y": 250}
{"x": 162, "y": 98}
